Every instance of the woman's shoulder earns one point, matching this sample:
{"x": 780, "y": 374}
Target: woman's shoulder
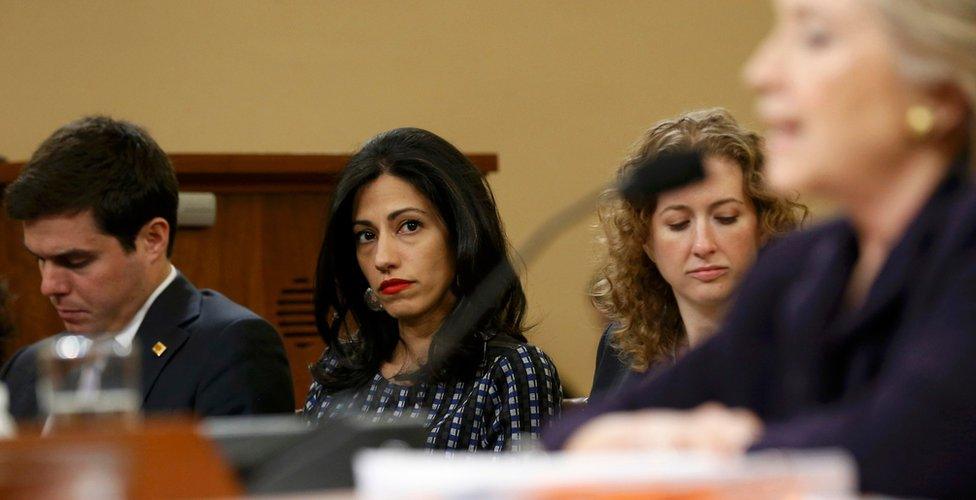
{"x": 609, "y": 355}
{"x": 506, "y": 345}
{"x": 805, "y": 240}
{"x": 782, "y": 257}
{"x": 327, "y": 363}
{"x": 508, "y": 353}
{"x": 611, "y": 368}
{"x": 607, "y": 336}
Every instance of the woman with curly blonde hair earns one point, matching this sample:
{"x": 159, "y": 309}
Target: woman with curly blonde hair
{"x": 672, "y": 264}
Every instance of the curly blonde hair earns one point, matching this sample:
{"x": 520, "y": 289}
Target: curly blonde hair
{"x": 628, "y": 288}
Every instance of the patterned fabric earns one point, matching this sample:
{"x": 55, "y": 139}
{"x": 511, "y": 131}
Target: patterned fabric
{"x": 513, "y": 395}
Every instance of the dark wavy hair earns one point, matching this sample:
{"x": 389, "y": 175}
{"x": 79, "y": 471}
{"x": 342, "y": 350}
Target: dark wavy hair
{"x": 476, "y": 238}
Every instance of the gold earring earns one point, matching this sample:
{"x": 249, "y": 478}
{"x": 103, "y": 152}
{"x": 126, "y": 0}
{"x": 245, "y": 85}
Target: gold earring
{"x": 921, "y": 120}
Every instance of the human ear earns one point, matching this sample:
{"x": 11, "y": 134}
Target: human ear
{"x": 948, "y": 111}
{"x": 648, "y": 247}
{"x": 154, "y": 237}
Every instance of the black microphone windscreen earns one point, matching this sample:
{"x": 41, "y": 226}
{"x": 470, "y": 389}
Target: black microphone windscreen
{"x": 661, "y": 173}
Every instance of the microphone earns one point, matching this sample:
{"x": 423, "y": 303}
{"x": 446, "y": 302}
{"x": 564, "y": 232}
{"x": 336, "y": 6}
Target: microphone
{"x": 282, "y": 454}
{"x": 662, "y": 173}
{"x": 648, "y": 179}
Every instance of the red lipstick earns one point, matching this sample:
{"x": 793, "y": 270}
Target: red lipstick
{"x": 394, "y": 286}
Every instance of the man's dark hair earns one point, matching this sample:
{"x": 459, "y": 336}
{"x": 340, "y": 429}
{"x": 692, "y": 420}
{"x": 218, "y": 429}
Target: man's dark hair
{"x": 110, "y": 167}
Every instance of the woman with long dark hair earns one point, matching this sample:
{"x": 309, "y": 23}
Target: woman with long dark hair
{"x": 412, "y": 232}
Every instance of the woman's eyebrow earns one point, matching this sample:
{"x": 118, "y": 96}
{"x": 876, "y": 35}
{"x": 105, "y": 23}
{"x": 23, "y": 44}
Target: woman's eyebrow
{"x": 721, "y": 202}
{"x": 676, "y": 207}
{"x": 711, "y": 206}
{"x": 396, "y": 213}
{"x": 393, "y": 215}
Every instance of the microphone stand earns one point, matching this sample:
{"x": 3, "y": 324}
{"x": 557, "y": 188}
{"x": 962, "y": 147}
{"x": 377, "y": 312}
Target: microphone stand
{"x": 652, "y": 177}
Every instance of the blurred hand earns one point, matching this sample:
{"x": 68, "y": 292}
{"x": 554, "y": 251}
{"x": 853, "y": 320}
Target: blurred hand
{"x": 709, "y": 428}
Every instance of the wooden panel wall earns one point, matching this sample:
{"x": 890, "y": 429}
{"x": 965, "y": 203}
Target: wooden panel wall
{"x": 263, "y": 248}
{"x": 261, "y": 252}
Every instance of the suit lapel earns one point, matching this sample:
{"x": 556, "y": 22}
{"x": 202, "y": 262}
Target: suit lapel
{"x": 910, "y": 261}
{"x": 820, "y": 285}
{"x": 164, "y": 329}
{"x": 810, "y": 304}
{"x": 945, "y": 253}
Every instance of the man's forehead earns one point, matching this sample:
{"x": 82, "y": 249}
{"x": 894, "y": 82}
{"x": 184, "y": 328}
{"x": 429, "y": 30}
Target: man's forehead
{"x": 64, "y": 233}
{"x": 80, "y": 217}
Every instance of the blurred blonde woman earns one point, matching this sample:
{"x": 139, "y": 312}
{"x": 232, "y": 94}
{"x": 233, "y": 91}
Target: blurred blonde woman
{"x": 672, "y": 264}
{"x": 860, "y": 333}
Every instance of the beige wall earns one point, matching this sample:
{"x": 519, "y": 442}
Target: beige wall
{"x": 557, "y": 89}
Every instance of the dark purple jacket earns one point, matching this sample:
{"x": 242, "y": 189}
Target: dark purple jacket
{"x": 893, "y": 382}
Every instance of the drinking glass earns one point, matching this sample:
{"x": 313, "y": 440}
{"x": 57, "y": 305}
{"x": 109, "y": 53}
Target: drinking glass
{"x": 84, "y": 379}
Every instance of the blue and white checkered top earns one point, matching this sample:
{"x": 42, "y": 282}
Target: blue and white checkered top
{"x": 513, "y": 395}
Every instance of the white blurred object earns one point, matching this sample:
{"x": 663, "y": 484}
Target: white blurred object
{"x": 769, "y": 474}
{"x": 7, "y": 427}
{"x": 196, "y": 209}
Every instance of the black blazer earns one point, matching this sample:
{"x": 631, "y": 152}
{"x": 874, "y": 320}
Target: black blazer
{"x": 220, "y": 359}
{"x": 893, "y": 382}
{"x": 612, "y": 373}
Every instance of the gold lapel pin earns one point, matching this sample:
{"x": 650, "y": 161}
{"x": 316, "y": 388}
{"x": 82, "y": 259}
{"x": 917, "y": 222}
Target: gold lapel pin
{"x": 159, "y": 348}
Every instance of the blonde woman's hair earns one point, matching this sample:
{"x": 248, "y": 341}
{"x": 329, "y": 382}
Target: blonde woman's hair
{"x": 628, "y": 288}
{"x": 936, "y": 41}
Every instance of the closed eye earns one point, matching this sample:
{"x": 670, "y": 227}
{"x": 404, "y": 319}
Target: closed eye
{"x": 679, "y": 226}
{"x": 75, "y": 263}
{"x": 74, "y": 260}
{"x": 727, "y": 221}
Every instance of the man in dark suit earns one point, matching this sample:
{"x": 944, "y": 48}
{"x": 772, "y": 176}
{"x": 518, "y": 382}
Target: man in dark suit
{"x": 98, "y": 202}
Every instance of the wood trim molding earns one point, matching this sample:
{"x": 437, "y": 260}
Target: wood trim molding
{"x": 232, "y": 172}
